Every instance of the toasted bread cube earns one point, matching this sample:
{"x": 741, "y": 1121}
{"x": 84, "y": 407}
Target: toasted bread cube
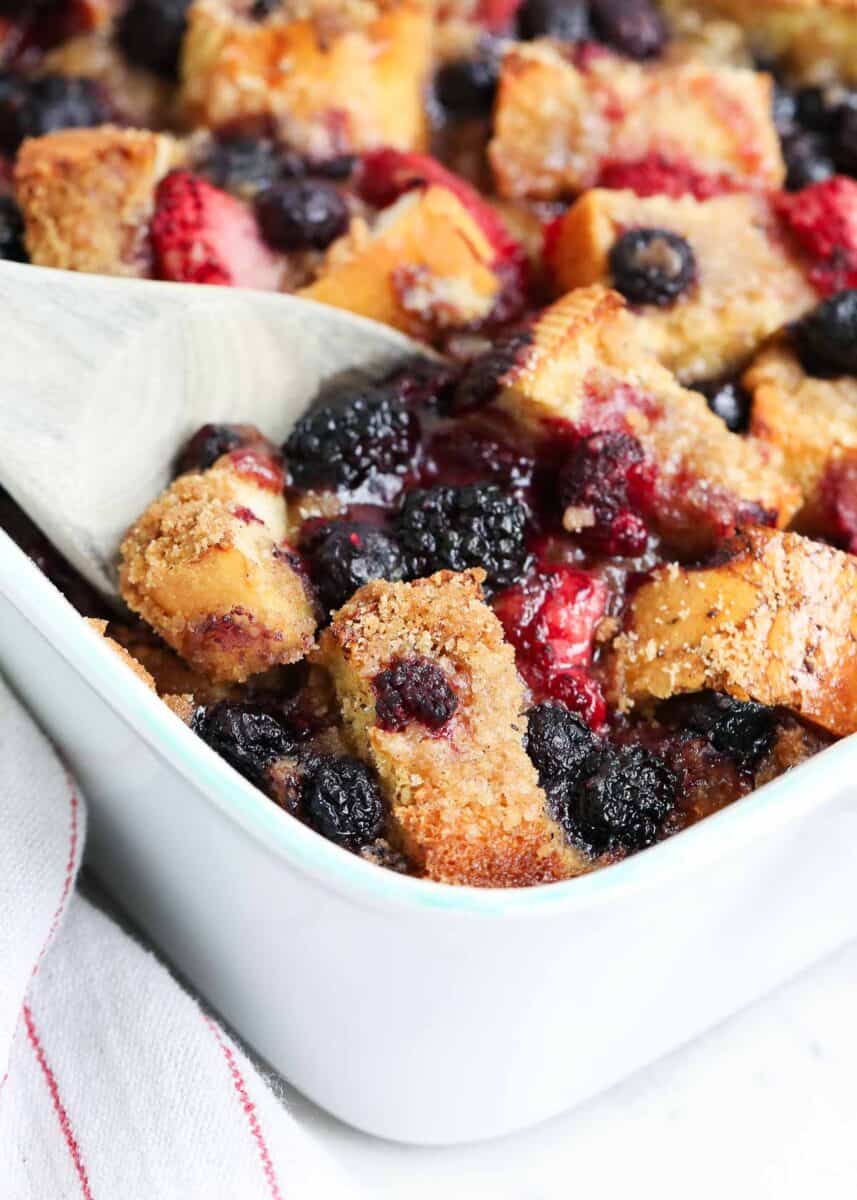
{"x": 465, "y": 804}
{"x": 425, "y": 266}
{"x": 775, "y": 622}
{"x": 814, "y": 40}
{"x": 208, "y": 568}
{"x": 556, "y": 124}
{"x": 587, "y": 364}
{"x": 342, "y": 78}
{"x": 808, "y": 423}
{"x": 87, "y": 196}
{"x": 99, "y": 628}
{"x": 747, "y": 284}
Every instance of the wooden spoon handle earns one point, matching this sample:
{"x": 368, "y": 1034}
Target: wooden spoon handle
{"x": 101, "y": 379}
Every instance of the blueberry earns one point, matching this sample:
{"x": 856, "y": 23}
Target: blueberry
{"x": 413, "y": 689}
{"x": 345, "y": 555}
{"x": 209, "y": 443}
{"x": 245, "y": 735}
{"x": 622, "y": 804}
{"x": 360, "y": 433}
{"x": 728, "y": 400}
{"x": 466, "y": 88}
{"x": 808, "y": 159}
{"x": 453, "y": 528}
{"x": 826, "y": 338}
{"x": 11, "y": 231}
{"x": 563, "y": 20}
{"x": 150, "y": 34}
{"x": 31, "y": 108}
{"x": 243, "y": 163}
{"x": 632, "y": 27}
{"x": 301, "y": 214}
{"x": 341, "y": 799}
{"x": 563, "y": 749}
{"x": 652, "y": 266}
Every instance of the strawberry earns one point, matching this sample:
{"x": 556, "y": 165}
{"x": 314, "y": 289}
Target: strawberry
{"x": 823, "y": 219}
{"x": 656, "y": 175}
{"x": 200, "y": 234}
{"x": 387, "y": 174}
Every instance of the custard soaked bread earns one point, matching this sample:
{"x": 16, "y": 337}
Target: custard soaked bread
{"x": 773, "y": 619}
{"x": 464, "y": 800}
{"x": 745, "y": 284}
{"x": 559, "y": 123}
{"x": 208, "y": 568}
{"x": 586, "y": 364}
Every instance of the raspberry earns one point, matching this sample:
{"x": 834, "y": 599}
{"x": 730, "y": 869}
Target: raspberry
{"x": 301, "y": 214}
{"x": 452, "y": 528}
{"x": 247, "y": 736}
{"x": 652, "y": 266}
{"x": 823, "y": 219}
{"x": 481, "y": 380}
{"x": 413, "y": 689}
{"x": 742, "y": 729}
{"x": 656, "y": 175}
{"x": 633, "y": 27}
{"x": 623, "y": 804}
{"x": 344, "y": 555}
{"x": 34, "y": 107}
{"x": 200, "y": 234}
{"x": 563, "y": 20}
{"x": 602, "y": 486}
{"x": 826, "y": 338}
{"x": 563, "y": 749}
{"x": 11, "y": 231}
{"x": 341, "y": 800}
{"x": 358, "y": 434}
{"x": 150, "y": 34}
{"x": 210, "y": 442}
{"x": 729, "y": 401}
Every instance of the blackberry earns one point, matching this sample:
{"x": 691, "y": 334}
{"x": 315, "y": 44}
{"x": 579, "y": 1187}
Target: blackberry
{"x": 622, "y": 804}
{"x": 562, "y": 747}
{"x": 728, "y": 400}
{"x": 243, "y": 164}
{"x": 344, "y": 555}
{"x": 150, "y": 34}
{"x": 481, "y": 380}
{"x": 362, "y": 432}
{"x": 632, "y": 27}
{"x": 819, "y": 108}
{"x": 564, "y": 20}
{"x": 301, "y": 214}
{"x": 826, "y": 338}
{"x": 425, "y": 383}
{"x": 247, "y": 736}
{"x": 11, "y": 231}
{"x": 740, "y": 728}
{"x": 652, "y": 266}
{"x": 453, "y": 528}
{"x": 413, "y": 689}
{"x": 33, "y": 107}
{"x": 845, "y": 144}
{"x": 783, "y": 107}
{"x": 466, "y": 88}
{"x": 341, "y": 800}
{"x": 210, "y": 442}
{"x": 808, "y": 159}
{"x": 604, "y": 481}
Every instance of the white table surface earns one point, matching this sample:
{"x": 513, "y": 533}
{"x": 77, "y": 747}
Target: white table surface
{"x": 764, "y": 1106}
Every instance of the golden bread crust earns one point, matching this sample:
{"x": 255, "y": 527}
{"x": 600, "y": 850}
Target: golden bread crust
{"x": 747, "y": 286}
{"x": 206, "y": 566}
{"x": 588, "y": 365}
{"x": 87, "y": 196}
{"x": 555, "y": 124}
{"x": 465, "y": 804}
{"x": 100, "y": 627}
{"x": 808, "y": 422}
{"x": 776, "y": 623}
{"x": 426, "y": 266}
{"x": 331, "y": 82}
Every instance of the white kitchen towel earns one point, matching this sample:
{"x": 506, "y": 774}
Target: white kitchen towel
{"x": 114, "y": 1084}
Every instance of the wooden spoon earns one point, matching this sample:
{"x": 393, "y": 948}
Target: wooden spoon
{"x": 102, "y": 380}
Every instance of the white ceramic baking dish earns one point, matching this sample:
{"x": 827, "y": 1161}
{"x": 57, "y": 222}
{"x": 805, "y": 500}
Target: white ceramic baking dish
{"x": 416, "y": 1011}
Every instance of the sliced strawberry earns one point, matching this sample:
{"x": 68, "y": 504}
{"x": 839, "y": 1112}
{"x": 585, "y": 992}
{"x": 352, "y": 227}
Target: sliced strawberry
{"x": 387, "y": 174}
{"x": 656, "y": 175}
{"x": 823, "y": 219}
{"x": 200, "y": 234}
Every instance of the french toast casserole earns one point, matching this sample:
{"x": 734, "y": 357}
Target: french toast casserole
{"x": 585, "y": 574}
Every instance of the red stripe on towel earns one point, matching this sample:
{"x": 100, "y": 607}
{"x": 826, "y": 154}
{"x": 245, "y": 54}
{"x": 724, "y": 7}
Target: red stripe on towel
{"x": 250, "y": 1110}
{"x": 59, "y": 1107}
{"x": 68, "y": 879}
